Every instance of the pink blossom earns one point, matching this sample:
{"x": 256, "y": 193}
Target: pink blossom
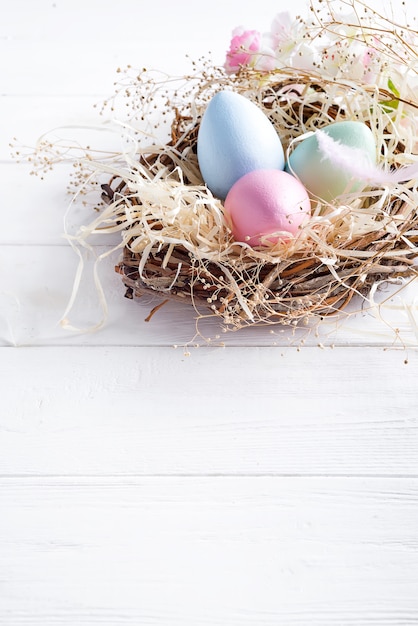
{"x": 246, "y": 49}
{"x": 244, "y": 44}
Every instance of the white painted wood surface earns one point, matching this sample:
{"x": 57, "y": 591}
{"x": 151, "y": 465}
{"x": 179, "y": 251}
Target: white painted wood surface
{"x": 253, "y": 479}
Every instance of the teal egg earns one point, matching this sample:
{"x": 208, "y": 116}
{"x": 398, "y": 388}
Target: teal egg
{"x": 320, "y": 175}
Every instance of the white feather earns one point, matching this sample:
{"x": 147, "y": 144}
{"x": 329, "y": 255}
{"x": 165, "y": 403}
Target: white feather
{"x": 357, "y": 162}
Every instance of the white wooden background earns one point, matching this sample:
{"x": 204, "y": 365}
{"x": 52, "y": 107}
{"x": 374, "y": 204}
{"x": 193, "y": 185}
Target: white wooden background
{"x": 263, "y": 479}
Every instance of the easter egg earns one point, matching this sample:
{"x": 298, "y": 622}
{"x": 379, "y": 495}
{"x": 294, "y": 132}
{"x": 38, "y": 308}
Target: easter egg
{"x": 266, "y": 205}
{"x": 327, "y": 177}
{"x": 235, "y": 137}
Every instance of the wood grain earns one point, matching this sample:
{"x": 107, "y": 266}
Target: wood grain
{"x": 243, "y": 411}
{"x": 193, "y": 551}
{"x": 255, "y": 480}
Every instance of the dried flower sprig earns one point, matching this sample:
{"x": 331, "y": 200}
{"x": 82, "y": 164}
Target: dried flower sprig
{"x": 354, "y": 42}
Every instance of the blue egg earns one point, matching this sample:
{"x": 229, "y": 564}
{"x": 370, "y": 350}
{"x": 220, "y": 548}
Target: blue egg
{"x": 235, "y": 137}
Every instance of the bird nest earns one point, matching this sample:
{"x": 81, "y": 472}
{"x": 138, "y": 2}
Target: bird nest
{"x": 176, "y": 241}
{"x": 174, "y": 237}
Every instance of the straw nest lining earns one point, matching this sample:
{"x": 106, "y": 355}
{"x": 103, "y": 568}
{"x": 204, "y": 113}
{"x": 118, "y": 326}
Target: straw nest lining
{"x": 176, "y": 242}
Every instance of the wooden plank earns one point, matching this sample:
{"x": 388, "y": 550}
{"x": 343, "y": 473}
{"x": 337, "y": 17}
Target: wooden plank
{"x": 199, "y": 551}
{"x": 43, "y": 211}
{"x": 152, "y": 411}
{"x": 75, "y": 47}
{"x": 57, "y": 119}
{"x": 74, "y": 125}
{"x": 37, "y": 284}
{"x": 68, "y": 67}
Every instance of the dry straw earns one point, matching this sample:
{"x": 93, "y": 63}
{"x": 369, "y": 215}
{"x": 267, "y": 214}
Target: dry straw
{"x": 173, "y": 234}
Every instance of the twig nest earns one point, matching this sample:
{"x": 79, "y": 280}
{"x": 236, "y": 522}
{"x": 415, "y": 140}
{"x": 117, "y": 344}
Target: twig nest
{"x": 178, "y": 241}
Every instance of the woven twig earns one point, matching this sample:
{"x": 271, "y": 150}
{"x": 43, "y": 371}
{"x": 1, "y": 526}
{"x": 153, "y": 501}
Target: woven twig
{"x": 289, "y": 285}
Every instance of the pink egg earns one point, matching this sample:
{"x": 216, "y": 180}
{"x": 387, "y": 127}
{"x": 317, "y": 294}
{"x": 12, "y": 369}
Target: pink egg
{"x": 265, "y": 206}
